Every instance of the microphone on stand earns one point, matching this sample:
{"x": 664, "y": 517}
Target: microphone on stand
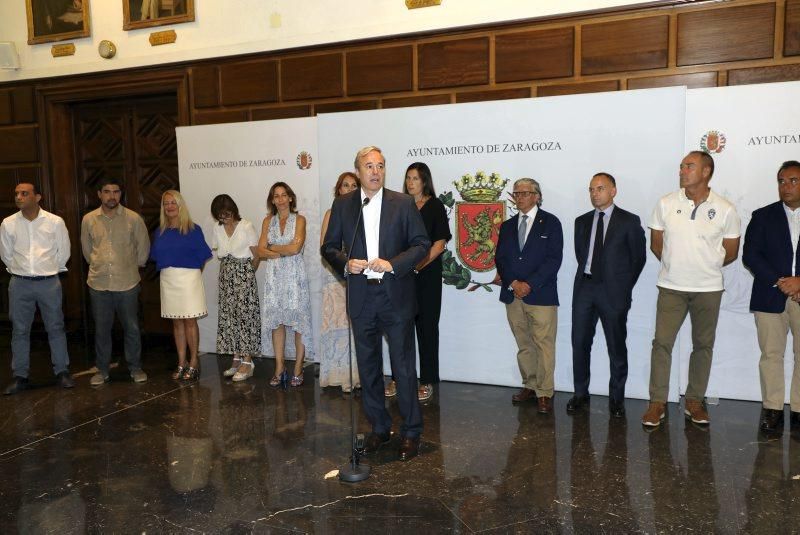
{"x": 353, "y": 471}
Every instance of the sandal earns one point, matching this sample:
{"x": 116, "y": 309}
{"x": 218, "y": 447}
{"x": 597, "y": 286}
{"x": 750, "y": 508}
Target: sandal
{"x": 240, "y": 375}
{"x": 297, "y": 380}
{"x": 178, "y": 373}
{"x": 281, "y": 378}
{"x": 425, "y": 392}
{"x": 191, "y": 374}
{"x": 230, "y": 372}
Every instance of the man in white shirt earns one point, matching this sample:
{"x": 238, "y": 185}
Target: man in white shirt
{"x": 770, "y": 253}
{"x": 34, "y": 246}
{"x": 694, "y": 233}
{"x": 388, "y": 239}
{"x": 115, "y": 244}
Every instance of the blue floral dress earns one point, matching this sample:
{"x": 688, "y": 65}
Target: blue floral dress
{"x": 286, "y": 299}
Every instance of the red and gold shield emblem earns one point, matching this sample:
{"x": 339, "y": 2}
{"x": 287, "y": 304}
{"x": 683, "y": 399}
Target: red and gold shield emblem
{"x": 477, "y": 229}
{"x": 304, "y": 160}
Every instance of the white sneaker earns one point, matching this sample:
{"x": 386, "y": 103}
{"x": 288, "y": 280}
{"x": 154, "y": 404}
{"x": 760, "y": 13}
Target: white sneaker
{"x": 98, "y": 379}
{"x": 139, "y": 376}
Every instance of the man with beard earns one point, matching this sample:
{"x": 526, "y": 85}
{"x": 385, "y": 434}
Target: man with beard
{"x": 115, "y": 244}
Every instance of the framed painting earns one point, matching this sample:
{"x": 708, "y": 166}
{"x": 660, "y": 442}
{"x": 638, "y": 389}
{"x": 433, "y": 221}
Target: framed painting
{"x": 57, "y": 20}
{"x": 149, "y": 13}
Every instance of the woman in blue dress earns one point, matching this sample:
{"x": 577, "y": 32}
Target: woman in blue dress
{"x": 286, "y": 304}
{"x": 180, "y": 252}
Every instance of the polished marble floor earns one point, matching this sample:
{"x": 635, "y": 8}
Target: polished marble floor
{"x": 222, "y": 457}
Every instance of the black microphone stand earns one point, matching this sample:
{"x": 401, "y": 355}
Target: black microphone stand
{"x": 353, "y": 471}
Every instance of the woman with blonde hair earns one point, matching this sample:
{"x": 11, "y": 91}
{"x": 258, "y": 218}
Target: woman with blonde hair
{"x": 287, "y": 300}
{"x": 180, "y": 252}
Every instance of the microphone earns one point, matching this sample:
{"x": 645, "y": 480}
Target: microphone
{"x": 353, "y": 471}
{"x": 355, "y": 230}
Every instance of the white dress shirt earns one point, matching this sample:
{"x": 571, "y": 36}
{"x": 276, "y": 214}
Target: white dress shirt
{"x": 34, "y": 248}
{"x": 793, "y": 216}
{"x": 531, "y": 217}
{"x": 372, "y": 230}
{"x": 606, "y": 218}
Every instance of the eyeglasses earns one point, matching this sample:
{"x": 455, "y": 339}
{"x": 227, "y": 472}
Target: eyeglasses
{"x": 522, "y": 194}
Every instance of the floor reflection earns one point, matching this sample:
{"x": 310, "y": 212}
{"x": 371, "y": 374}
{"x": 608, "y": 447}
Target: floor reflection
{"x": 218, "y": 456}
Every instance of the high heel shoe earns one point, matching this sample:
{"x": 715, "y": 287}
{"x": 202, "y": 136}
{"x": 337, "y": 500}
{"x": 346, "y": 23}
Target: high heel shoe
{"x": 241, "y": 376}
{"x": 178, "y": 373}
{"x": 191, "y": 374}
{"x": 297, "y": 380}
{"x": 280, "y": 379}
{"x": 230, "y": 372}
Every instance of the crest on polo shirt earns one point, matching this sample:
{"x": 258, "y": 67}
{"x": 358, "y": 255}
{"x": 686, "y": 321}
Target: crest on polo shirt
{"x": 711, "y": 213}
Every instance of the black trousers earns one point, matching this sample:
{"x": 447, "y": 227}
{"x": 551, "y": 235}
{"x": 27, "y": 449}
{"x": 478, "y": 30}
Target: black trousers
{"x": 378, "y": 317}
{"x": 429, "y": 309}
{"x": 588, "y": 305}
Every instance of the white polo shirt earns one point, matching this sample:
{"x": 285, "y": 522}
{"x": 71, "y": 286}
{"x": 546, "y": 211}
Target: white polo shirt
{"x": 692, "y": 258}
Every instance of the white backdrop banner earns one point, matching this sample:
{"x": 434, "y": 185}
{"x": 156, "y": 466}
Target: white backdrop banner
{"x": 244, "y": 160}
{"x": 750, "y": 131}
{"x": 637, "y": 136}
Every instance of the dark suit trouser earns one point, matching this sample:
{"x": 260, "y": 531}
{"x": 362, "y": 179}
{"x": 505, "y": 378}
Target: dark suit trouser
{"x": 377, "y": 317}
{"x": 588, "y": 305}
{"x": 429, "y": 309}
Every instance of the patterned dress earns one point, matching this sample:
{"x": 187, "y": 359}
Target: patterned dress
{"x": 286, "y": 299}
{"x": 239, "y": 323}
{"x": 333, "y": 366}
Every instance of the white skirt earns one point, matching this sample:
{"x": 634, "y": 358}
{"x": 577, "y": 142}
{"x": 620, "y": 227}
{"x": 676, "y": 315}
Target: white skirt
{"x": 182, "y": 293}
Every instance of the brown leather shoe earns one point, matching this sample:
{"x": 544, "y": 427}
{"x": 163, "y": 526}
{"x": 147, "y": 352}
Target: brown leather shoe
{"x": 524, "y": 395}
{"x": 374, "y": 442}
{"x": 696, "y": 411}
{"x": 545, "y": 405}
{"x": 656, "y": 411}
{"x": 409, "y": 448}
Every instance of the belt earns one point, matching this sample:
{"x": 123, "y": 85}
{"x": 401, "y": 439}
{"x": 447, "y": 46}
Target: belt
{"x": 374, "y": 282}
{"x": 35, "y": 277}
{"x": 587, "y": 276}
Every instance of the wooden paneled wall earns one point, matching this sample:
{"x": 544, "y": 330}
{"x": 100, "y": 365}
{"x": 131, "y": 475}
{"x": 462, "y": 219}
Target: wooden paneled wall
{"x": 699, "y": 44}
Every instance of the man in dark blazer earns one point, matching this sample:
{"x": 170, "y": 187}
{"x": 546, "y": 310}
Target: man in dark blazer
{"x": 389, "y": 241}
{"x": 771, "y": 254}
{"x": 529, "y": 252}
{"x": 611, "y": 252}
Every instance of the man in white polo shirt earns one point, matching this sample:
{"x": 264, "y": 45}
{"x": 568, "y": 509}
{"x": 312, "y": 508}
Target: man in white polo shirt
{"x": 693, "y": 232}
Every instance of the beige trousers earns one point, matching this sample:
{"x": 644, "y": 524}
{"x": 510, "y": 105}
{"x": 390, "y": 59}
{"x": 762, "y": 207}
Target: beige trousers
{"x": 773, "y": 330}
{"x": 671, "y": 310}
{"x": 534, "y": 328}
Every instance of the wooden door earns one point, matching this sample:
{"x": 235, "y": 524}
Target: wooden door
{"x": 134, "y": 140}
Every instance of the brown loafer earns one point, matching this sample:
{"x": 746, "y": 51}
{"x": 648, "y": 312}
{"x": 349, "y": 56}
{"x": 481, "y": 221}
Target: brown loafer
{"x": 374, "y": 442}
{"x": 545, "y": 405}
{"x": 409, "y": 448}
{"x": 524, "y": 395}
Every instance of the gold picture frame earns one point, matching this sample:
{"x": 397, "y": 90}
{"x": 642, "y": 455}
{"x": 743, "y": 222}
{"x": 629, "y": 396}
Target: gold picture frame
{"x": 149, "y": 13}
{"x": 57, "y": 20}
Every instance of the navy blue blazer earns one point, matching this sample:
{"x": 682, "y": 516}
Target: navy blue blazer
{"x": 624, "y": 254}
{"x": 768, "y": 255}
{"x": 403, "y": 241}
{"x": 537, "y": 263}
